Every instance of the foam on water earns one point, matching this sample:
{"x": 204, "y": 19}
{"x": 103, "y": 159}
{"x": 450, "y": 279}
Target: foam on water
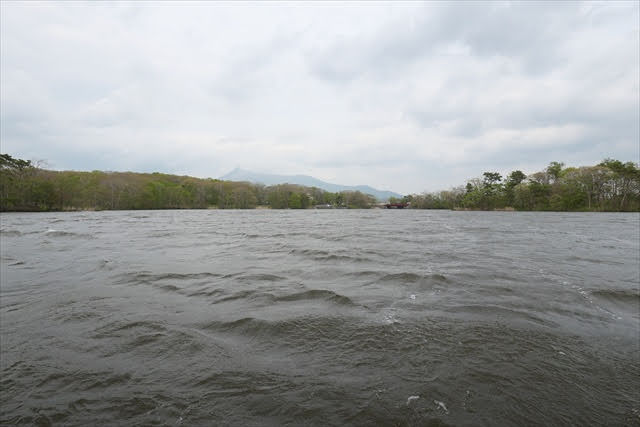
{"x": 412, "y": 398}
{"x": 440, "y": 405}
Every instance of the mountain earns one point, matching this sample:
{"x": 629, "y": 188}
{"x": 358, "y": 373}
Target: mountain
{"x": 271, "y": 179}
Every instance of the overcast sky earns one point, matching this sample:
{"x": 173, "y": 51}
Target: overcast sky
{"x": 401, "y": 96}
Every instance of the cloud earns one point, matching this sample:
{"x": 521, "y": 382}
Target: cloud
{"x": 403, "y": 96}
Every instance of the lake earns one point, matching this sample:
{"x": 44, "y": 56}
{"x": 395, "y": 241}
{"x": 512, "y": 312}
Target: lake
{"x": 320, "y": 317}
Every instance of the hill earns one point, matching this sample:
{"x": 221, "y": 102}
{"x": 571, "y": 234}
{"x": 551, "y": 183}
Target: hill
{"x": 308, "y": 181}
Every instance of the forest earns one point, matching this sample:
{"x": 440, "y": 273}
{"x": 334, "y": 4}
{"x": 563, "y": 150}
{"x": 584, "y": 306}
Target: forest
{"x": 25, "y": 187}
{"x": 609, "y": 186}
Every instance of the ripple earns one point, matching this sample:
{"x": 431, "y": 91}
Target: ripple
{"x": 318, "y": 294}
{"x": 115, "y": 329}
{"x": 322, "y": 255}
{"x": 263, "y": 277}
{"x": 408, "y": 277}
{"x": 495, "y": 312}
{"x": 622, "y": 296}
{"x": 148, "y": 277}
{"x": 57, "y": 233}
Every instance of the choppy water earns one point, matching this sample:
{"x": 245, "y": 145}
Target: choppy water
{"x": 320, "y": 318}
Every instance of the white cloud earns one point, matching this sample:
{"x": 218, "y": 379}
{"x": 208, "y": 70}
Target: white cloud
{"x": 402, "y": 96}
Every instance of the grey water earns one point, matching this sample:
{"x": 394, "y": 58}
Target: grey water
{"x": 319, "y": 317}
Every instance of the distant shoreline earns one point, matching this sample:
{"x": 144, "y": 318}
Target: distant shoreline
{"x": 611, "y": 186}
{"x": 307, "y": 209}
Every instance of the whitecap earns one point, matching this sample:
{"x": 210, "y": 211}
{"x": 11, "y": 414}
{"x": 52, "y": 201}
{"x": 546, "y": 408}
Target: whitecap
{"x": 412, "y": 398}
{"x": 441, "y": 405}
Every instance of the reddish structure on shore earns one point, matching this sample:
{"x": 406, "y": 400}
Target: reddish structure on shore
{"x": 396, "y": 205}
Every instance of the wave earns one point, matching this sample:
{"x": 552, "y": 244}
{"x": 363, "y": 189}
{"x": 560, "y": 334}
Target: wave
{"x": 278, "y": 235}
{"x": 200, "y": 284}
{"x": 85, "y": 380}
{"x": 153, "y": 337}
{"x": 618, "y": 296}
{"x": 148, "y": 277}
{"x": 322, "y": 255}
{"x": 245, "y": 326}
{"x": 365, "y": 273}
{"x": 57, "y": 233}
{"x": 318, "y": 294}
{"x": 239, "y": 383}
{"x": 77, "y": 316}
{"x": 492, "y": 312}
{"x": 481, "y": 273}
{"x": 310, "y": 295}
{"x": 261, "y": 277}
{"x": 169, "y": 288}
{"x": 289, "y": 329}
{"x": 407, "y": 277}
{"x": 10, "y": 233}
{"x": 310, "y": 252}
{"x": 331, "y": 335}
{"x": 347, "y": 258}
{"x": 104, "y": 380}
{"x": 168, "y": 282}
{"x": 594, "y": 260}
{"x": 205, "y": 292}
{"x": 243, "y": 295}
{"x": 116, "y": 328}
{"x": 401, "y": 277}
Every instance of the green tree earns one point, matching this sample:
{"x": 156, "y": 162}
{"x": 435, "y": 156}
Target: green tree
{"x": 513, "y": 179}
{"x": 554, "y": 170}
{"x": 294, "y": 201}
{"x": 624, "y": 184}
{"x": 305, "y": 200}
{"x": 491, "y": 178}
{"x": 469, "y": 188}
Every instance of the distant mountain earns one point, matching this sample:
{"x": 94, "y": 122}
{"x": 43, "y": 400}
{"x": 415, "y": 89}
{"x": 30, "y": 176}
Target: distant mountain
{"x": 271, "y": 179}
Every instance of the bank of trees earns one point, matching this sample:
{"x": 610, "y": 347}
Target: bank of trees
{"x": 609, "y": 186}
{"x": 25, "y": 187}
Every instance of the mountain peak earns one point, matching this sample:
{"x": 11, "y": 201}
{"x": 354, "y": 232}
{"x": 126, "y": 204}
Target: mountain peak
{"x": 239, "y": 174}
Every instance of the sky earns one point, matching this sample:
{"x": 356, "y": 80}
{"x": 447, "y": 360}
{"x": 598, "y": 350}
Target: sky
{"x": 408, "y": 97}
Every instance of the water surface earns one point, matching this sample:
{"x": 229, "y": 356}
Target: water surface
{"x": 369, "y": 317}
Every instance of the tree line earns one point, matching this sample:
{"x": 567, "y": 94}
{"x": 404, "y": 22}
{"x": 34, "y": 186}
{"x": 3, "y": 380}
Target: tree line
{"x": 610, "y": 186}
{"x": 25, "y": 187}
